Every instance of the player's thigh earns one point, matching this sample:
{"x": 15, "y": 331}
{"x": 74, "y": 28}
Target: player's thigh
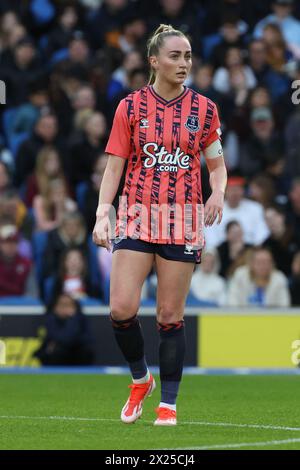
{"x": 129, "y": 271}
{"x": 173, "y": 284}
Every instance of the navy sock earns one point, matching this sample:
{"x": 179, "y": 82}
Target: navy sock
{"x": 139, "y": 368}
{"x": 130, "y": 340}
{"x": 169, "y": 391}
{"x": 171, "y": 356}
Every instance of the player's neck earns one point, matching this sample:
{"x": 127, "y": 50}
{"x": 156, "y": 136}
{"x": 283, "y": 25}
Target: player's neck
{"x": 167, "y": 91}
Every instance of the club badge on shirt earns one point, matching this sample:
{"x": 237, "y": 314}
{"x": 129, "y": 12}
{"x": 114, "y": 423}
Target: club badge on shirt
{"x": 144, "y": 123}
{"x": 192, "y": 124}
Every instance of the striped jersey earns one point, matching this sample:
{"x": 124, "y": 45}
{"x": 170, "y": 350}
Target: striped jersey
{"x": 162, "y": 140}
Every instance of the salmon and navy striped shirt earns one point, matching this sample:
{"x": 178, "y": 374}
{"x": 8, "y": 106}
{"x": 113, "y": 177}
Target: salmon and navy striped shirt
{"x": 162, "y": 141}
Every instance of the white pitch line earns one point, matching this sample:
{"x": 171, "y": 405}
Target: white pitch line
{"x": 181, "y": 423}
{"x": 60, "y": 418}
{"x": 240, "y": 444}
{"x": 236, "y": 425}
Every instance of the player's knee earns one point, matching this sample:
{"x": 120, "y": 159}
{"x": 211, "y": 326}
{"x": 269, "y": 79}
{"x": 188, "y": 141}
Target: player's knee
{"x": 168, "y": 313}
{"x": 122, "y": 309}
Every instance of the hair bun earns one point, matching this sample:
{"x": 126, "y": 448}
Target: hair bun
{"x": 167, "y": 28}
{"x": 164, "y": 28}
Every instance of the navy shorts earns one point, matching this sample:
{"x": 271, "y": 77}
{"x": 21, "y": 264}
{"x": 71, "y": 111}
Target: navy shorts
{"x": 168, "y": 251}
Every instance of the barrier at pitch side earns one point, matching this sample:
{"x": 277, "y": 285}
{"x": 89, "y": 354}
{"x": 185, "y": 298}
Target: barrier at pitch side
{"x": 224, "y": 338}
{"x": 249, "y": 339}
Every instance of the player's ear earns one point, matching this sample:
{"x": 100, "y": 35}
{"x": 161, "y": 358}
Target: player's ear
{"x": 153, "y": 61}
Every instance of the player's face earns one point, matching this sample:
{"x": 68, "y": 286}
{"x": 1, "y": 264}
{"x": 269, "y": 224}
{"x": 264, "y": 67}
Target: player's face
{"x": 174, "y": 61}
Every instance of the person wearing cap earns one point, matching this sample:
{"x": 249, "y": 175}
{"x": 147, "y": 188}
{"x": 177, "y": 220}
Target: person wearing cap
{"x": 16, "y": 274}
{"x": 264, "y": 149}
{"x": 249, "y": 214}
{"x": 282, "y": 15}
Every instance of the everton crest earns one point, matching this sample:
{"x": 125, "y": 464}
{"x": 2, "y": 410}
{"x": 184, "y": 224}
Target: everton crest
{"x": 192, "y": 124}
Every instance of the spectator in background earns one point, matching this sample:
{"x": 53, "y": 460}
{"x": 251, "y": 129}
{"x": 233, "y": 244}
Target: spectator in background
{"x": 137, "y": 78}
{"x": 20, "y": 71}
{"x": 260, "y": 58}
{"x": 262, "y": 190}
{"x": 293, "y": 208}
{"x": 67, "y": 21}
{"x": 259, "y": 97}
{"x": 277, "y": 53}
{"x": 24, "y": 245}
{"x": 28, "y": 113}
{"x": 5, "y": 178}
{"x": 206, "y": 284}
{"x": 182, "y": 15}
{"x": 45, "y": 133}
{"x": 13, "y": 207}
{"x": 51, "y": 206}
{"x": 99, "y": 76}
{"x": 258, "y": 283}
{"x": 282, "y": 16}
{"x": 16, "y": 273}
{"x": 76, "y": 59}
{"x": 133, "y": 30}
{"x": 231, "y": 37}
{"x": 234, "y": 62}
{"x": 85, "y": 149}
{"x": 68, "y": 340}
{"x": 6, "y": 156}
{"x": 119, "y": 81}
{"x": 48, "y": 167}
{"x": 79, "y": 54}
{"x": 233, "y": 250}
{"x": 63, "y": 85}
{"x": 71, "y": 233}
{"x": 203, "y": 84}
{"x": 84, "y": 98}
{"x": 104, "y": 25}
{"x": 73, "y": 276}
{"x": 281, "y": 241}
{"x": 249, "y": 214}
{"x": 239, "y": 97}
{"x": 292, "y": 136}
{"x": 8, "y": 21}
{"x": 91, "y": 196}
{"x": 294, "y": 281}
{"x": 257, "y": 59}
{"x": 13, "y": 37}
{"x": 264, "y": 149}
{"x": 248, "y": 12}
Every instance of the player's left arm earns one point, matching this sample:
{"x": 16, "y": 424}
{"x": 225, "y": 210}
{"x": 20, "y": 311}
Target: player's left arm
{"x": 214, "y": 158}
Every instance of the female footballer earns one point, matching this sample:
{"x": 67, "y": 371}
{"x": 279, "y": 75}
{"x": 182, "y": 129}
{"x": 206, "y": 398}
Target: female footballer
{"x": 160, "y": 130}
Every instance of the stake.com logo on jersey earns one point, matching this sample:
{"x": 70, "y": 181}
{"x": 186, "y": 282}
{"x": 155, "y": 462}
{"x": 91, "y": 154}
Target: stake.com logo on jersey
{"x": 166, "y": 161}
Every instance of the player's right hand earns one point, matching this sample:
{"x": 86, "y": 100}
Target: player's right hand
{"x": 100, "y": 233}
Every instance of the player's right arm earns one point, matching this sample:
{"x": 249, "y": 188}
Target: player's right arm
{"x": 108, "y": 190}
{"x": 118, "y": 147}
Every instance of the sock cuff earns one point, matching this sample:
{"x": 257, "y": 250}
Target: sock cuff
{"x": 123, "y": 324}
{"x": 170, "y": 327}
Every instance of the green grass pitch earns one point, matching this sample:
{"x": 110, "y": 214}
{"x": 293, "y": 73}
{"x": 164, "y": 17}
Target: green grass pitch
{"x": 214, "y": 412}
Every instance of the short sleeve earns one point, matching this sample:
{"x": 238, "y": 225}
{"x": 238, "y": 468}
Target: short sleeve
{"x": 215, "y": 129}
{"x": 119, "y": 140}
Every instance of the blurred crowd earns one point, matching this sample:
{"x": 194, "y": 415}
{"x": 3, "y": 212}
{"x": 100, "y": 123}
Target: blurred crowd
{"x": 66, "y": 65}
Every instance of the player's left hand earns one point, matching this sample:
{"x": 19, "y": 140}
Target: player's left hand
{"x": 214, "y": 208}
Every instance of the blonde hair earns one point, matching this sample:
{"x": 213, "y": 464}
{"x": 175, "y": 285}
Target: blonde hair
{"x": 43, "y": 179}
{"x": 156, "y": 41}
{"x": 48, "y": 204}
